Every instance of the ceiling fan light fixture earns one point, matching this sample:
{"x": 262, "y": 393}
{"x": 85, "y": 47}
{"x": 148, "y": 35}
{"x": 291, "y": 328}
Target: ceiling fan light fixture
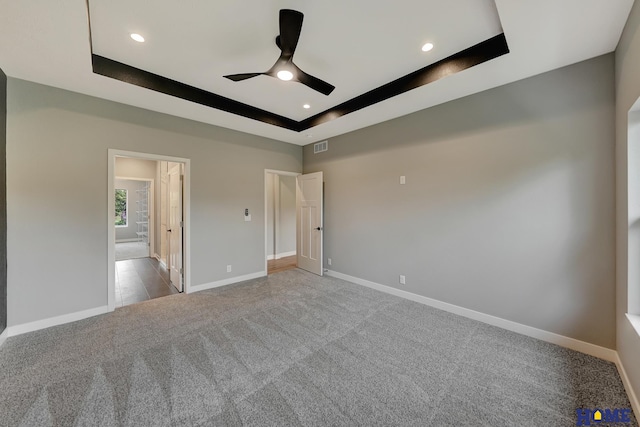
{"x": 427, "y": 47}
{"x": 285, "y": 75}
{"x": 137, "y": 37}
{"x": 284, "y": 68}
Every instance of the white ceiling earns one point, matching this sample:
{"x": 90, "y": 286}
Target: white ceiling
{"x": 356, "y": 45}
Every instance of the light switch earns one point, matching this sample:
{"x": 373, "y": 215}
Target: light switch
{"x": 403, "y": 180}
{"x": 247, "y": 217}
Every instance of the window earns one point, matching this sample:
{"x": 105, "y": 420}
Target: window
{"x": 121, "y": 208}
{"x": 633, "y": 206}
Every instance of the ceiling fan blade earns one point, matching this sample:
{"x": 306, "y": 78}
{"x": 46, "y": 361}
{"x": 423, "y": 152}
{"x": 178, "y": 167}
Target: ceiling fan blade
{"x": 313, "y": 82}
{"x": 240, "y": 77}
{"x": 290, "y": 28}
{"x": 287, "y": 41}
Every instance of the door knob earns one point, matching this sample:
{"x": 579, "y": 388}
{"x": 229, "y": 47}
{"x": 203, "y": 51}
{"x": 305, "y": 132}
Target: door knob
{"x": 169, "y": 231}
{"x": 319, "y": 228}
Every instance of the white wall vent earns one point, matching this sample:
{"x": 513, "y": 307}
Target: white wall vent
{"x": 319, "y": 147}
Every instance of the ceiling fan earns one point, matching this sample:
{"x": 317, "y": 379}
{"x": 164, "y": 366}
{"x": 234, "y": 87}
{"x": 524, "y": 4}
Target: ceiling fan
{"x": 284, "y": 68}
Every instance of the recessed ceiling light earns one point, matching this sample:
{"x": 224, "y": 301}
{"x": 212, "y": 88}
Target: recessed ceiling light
{"x": 285, "y": 75}
{"x": 306, "y": 106}
{"x": 427, "y": 47}
{"x": 137, "y": 37}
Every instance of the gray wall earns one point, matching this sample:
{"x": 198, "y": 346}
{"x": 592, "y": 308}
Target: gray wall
{"x": 508, "y": 207}
{"x": 627, "y": 92}
{"x": 58, "y": 139}
{"x": 3, "y": 201}
{"x": 129, "y": 232}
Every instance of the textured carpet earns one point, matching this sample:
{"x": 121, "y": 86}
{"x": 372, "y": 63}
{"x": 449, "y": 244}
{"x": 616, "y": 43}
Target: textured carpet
{"x": 294, "y": 349}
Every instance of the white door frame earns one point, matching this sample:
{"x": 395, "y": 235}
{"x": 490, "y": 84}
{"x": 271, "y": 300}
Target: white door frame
{"x": 151, "y": 213}
{"x": 111, "y": 227}
{"x": 266, "y": 209}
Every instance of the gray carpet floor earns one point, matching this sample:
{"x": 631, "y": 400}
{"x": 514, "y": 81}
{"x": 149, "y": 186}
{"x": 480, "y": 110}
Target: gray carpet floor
{"x": 294, "y": 349}
{"x": 131, "y": 250}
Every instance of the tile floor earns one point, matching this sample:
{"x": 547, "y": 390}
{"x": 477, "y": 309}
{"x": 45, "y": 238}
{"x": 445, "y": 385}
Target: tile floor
{"x": 140, "y": 280}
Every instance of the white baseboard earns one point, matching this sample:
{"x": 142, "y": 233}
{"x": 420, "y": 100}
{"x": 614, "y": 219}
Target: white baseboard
{"x": 633, "y": 397}
{"x": 160, "y": 260}
{"x": 55, "y": 321}
{"x": 127, "y": 240}
{"x": 572, "y": 343}
{"x": 3, "y": 336}
{"x": 226, "y": 282}
{"x": 563, "y": 341}
{"x": 281, "y": 255}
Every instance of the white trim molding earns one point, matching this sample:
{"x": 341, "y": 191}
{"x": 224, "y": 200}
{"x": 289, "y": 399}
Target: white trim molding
{"x": 229, "y": 281}
{"x": 3, "y": 336}
{"x": 55, "y": 321}
{"x": 561, "y": 340}
{"x": 160, "y": 260}
{"x": 634, "y": 319}
{"x": 633, "y": 398}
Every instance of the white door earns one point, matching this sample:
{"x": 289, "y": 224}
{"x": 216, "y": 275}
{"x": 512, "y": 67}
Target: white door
{"x": 309, "y": 222}
{"x": 175, "y": 225}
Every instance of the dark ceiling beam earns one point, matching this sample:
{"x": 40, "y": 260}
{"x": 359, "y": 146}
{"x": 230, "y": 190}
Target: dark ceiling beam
{"x": 470, "y": 57}
{"x": 135, "y": 76}
{"x": 465, "y": 59}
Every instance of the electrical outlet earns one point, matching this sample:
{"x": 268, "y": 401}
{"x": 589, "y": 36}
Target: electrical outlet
{"x": 329, "y": 261}
{"x": 228, "y": 269}
{"x": 403, "y": 280}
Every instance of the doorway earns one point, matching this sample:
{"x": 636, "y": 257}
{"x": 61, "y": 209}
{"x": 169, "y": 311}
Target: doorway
{"x": 148, "y": 227}
{"x": 304, "y": 221}
{"x": 280, "y": 221}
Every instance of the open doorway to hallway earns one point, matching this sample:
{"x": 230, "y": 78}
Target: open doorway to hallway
{"x": 280, "y": 220}
{"x": 147, "y": 223}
